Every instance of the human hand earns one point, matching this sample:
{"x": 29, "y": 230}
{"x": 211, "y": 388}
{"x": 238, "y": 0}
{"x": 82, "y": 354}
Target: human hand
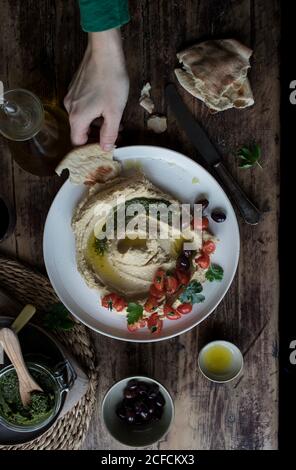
{"x": 99, "y": 89}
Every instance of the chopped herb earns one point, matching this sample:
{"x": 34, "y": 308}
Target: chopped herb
{"x": 134, "y": 313}
{"x": 192, "y": 293}
{"x": 40, "y": 407}
{"x": 214, "y": 273}
{"x": 249, "y": 156}
{"x": 110, "y": 305}
{"x": 153, "y": 329}
{"x": 57, "y": 318}
{"x": 100, "y": 246}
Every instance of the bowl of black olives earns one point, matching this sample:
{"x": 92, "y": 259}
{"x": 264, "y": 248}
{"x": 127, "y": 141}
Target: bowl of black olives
{"x": 138, "y": 411}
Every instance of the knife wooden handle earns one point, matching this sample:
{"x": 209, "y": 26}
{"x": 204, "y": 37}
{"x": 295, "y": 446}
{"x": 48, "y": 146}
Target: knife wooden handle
{"x": 248, "y": 210}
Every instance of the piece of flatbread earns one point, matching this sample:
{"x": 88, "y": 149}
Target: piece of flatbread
{"x": 145, "y": 100}
{"x": 157, "y": 123}
{"x": 215, "y": 72}
{"x": 89, "y": 165}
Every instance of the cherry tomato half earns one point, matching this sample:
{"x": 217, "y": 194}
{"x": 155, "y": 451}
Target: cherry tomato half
{"x": 151, "y": 304}
{"x": 154, "y": 292}
{"x": 183, "y": 277}
{"x": 138, "y": 324}
{"x": 120, "y": 304}
{"x": 109, "y": 300}
{"x": 154, "y": 323}
{"x": 158, "y": 280}
{"x": 208, "y": 247}
{"x": 203, "y": 261}
{"x": 184, "y": 308}
{"x": 133, "y": 327}
{"x": 171, "y": 313}
{"x": 171, "y": 284}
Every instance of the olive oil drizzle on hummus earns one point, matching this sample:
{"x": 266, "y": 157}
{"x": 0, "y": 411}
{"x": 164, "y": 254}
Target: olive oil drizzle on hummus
{"x": 97, "y": 250}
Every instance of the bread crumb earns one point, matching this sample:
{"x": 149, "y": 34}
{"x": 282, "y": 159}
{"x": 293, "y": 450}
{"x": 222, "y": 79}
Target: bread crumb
{"x": 145, "y": 100}
{"x": 157, "y": 124}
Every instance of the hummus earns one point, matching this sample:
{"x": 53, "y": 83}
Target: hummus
{"x": 140, "y": 248}
{"x": 126, "y": 264}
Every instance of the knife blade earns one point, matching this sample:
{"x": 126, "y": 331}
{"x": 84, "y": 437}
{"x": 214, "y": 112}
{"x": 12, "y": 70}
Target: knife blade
{"x": 210, "y": 155}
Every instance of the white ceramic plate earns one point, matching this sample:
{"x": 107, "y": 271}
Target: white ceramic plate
{"x": 174, "y": 173}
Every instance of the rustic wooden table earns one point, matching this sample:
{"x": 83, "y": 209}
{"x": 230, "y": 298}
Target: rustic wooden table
{"x": 41, "y": 44}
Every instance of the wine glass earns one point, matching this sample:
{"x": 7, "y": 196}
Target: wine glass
{"x": 21, "y": 115}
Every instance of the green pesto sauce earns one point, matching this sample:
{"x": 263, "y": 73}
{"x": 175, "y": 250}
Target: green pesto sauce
{"x": 11, "y": 408}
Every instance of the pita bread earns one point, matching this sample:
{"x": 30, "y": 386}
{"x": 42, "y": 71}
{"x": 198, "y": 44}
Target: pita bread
{"x": 215, "y": 72}
{"x": 145, "y": 99}
{"x": 89, "y": 165}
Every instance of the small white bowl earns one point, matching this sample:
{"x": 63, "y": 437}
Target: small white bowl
{"x": 135, "y": 435}
{"x": 233, "y": 371}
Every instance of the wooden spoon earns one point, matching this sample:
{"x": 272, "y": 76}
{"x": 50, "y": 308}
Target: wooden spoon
{"x": 23, "y": 317}
{"x": 11, "y": 346}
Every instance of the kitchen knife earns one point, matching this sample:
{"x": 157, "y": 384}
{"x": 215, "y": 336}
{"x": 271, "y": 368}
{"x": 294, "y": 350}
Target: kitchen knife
{"x": 209, "y": 154}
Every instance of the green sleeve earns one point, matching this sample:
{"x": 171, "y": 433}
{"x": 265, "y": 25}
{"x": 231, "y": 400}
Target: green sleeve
{"x": 100, "y": 15}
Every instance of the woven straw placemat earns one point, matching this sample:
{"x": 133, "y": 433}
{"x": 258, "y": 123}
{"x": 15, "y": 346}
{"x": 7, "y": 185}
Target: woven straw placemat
{"x": 26, "y": 285}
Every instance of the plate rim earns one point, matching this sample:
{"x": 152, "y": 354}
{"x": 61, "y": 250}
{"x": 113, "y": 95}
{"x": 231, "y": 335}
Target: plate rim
{"x": 195, "y": 324}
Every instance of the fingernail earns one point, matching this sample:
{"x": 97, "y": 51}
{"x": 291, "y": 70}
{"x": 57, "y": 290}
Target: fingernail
{"x": 107, "y": 147}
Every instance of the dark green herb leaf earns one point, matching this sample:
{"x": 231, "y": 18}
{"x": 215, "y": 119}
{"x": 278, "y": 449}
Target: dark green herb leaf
{"x": 214, "y": 273}
{"x": 249, "y": 156}
{"x": 100, "y": 246}
{"x": 134, "y": 313}
{"x": 192, "y": 293}
{"x": 57, "y": 318}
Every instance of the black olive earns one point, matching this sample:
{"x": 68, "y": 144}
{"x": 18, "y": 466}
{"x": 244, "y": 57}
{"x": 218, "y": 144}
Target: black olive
{"x": 218, "y": 216}
{"x": 153, "y": 391}
{"x": 142, "y": 403}
{"x": 138, "y": 405}
{"x": 152, "y": 394}
{"x": 151, "y": 408}
{"x": 130, "y": 416}
{"x": 159, "y": 400}
{"x": 132, "y": 384}
{"x": 129, "y": 393}
{"x": 143, "y": 388}
{"x": 183, "y": 263}
{"x": 144, "y": 413}
{"x": 187, "y": 253}
{"x": 127, "y": 403}
{"x": 204, "y": 203}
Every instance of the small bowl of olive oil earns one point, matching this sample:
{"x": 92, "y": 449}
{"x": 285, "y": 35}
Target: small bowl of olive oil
{"x": 220, "y": 361}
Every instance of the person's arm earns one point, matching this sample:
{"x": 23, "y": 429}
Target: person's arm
{"x": 100, "y": 86}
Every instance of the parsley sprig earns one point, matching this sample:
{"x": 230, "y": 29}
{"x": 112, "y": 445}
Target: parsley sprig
{"x": 57, "y": 318}
{"x": 249, "y": 156}
{"x": 134, "y": 313}
{"x": 214, "y": 273}
{"x": 192, "y": 293}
